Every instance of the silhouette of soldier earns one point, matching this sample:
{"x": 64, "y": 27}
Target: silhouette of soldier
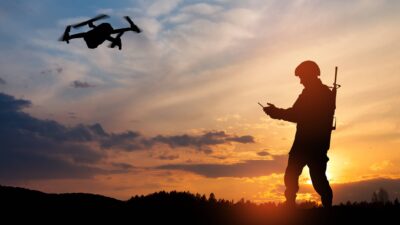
{"x": 313, "y": 112}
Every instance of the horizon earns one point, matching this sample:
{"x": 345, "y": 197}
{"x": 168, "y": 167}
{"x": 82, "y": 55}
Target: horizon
{"x": 176, "y": 108}
{"x": 379, "y": 197}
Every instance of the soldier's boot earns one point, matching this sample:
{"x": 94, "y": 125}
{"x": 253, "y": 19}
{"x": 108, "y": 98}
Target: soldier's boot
{"x": 290, "y": 199}
{"x": 326, "y": 199}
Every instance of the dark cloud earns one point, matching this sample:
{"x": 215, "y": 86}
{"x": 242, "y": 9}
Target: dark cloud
{"x": 81, "y": 84}
{"x": 242, "y": 139}
{"x": 123, "y": 166}
{"x": 263, "y": 153}
{"x": 10, "y": 104}
{"x": 361, "y": 190}
{"x": 164, "y": 155}
{"x": 128, "y": 140}
{"x": 57, "y": 70}
{"x": 2, "y": 81}
{"x": 168, "y": 157}
{"x": 36, "y": 148}
{"x": 26, "y": 165}
{"x": 248, "y": 168}
{"x": 132, "y": 141}
{"x": 200, "y": 142}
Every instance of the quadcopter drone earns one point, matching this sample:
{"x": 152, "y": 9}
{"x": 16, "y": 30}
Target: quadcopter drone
{"x": 98, "y": 34}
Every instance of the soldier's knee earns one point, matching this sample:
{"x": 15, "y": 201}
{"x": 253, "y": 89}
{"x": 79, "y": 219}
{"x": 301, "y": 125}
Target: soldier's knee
{"x": 290, "y": 175}
{"x": 293, "y": 171}
{"x": 321, "y": 184}
{"x": 318, "y": 174}
{"x": 286, "y": 179}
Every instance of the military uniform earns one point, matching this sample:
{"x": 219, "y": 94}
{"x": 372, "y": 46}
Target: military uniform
{"x": 313, "y": 113}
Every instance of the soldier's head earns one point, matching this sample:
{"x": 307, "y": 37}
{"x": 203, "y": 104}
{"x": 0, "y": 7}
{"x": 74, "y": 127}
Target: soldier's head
{"x": 308, "y": 72}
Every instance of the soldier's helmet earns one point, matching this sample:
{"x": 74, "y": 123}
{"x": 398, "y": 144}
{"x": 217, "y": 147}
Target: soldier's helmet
{"x": 307, "y": 68}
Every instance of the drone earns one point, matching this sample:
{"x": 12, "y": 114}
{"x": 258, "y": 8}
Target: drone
{"x": 98, "y": 34}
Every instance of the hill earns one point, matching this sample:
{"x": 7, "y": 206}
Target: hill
{"x": 20, "y": 205}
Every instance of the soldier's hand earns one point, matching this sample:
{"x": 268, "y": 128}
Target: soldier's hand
{"x": 271, "y": 110}
{"x": 266, "y": 110}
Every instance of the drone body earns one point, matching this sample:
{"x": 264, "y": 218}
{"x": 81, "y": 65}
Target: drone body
{"x": 98, "y": 34}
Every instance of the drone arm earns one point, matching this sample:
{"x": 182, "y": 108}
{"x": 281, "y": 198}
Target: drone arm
{"x": 78, "y": 35}
{"x": 121, "y": 30}
{"x": 111, "y": 39}
{"x": 133, "y": 25}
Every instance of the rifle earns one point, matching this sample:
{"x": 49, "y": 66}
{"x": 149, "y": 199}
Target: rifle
{"x": 334, "y": 92}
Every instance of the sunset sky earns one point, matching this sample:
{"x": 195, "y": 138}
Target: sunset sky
{"x": 176, "y": 109}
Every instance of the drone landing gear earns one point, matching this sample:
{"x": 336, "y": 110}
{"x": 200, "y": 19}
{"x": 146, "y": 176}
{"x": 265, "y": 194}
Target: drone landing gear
{"x": 116, "y": 42}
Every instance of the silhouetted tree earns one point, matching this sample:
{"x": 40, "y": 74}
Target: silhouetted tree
{"x": 212, "y": 198}
{"x": 186, "y": 208}
{"x": 380, "y": 196}
{"x": 203, "y": 198}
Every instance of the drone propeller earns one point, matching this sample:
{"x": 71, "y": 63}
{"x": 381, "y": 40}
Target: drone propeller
{"x": 88, "y": 22}
{"x": 133, "y": 26}
{"x": 65, "y": 36}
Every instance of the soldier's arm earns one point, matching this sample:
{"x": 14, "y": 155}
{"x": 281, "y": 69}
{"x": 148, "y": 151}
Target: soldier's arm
{"x": 286, "y": 114}
{"x": 290, "y": 114}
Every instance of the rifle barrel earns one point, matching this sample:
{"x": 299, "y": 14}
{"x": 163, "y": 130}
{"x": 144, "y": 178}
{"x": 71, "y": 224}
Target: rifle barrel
{"x": 334, "y": 84}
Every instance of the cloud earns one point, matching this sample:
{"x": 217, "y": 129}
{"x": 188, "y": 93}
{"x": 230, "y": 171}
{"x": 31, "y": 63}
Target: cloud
{"x": 128, "y": 140}
{"x": 2, "y": 81}
{"x": 28, "y": 166}
{"x": 164, "y": 155}
{"x": 186, "y": 44}
{"x": 175, "y": 53}
{"x": 81, "y": 84}
{"x": 72, "y": 115}
{"x": 10, "y": 104}
{"x": 168, "y": 156}
{"x": 36, "y": 148}
{"x": 123, "y": 166}
{"x": 202, "y": 9}
{"x": 248, "y": 168}
{"x": 131, "y": 140}
{"x": 361, "y": 190}
{"x": 201, "y": 142}
{"x": 162, "y": 7}
{"x": 242, "y": 139}
{"x": 57, "y": 70}
{"x": 263, "y": 153}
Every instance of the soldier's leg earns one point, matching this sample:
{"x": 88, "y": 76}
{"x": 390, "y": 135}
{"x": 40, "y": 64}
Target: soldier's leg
{"x": 319, "y": 180}
{"x": 292, "y": 173}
